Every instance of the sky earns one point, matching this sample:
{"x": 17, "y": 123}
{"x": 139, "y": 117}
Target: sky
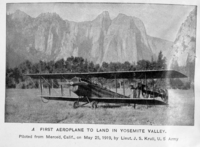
{"x": 162, "y": 21}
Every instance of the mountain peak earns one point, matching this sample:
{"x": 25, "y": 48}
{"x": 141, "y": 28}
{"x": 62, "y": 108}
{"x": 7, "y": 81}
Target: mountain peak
{"x": 20, "y": 15}
{"x": 19, "y": 12}
{"x": 121, "y": 17}
{"x": 104, "y": 14}
{"x": 48, "y": 17}
{"x": 103, "y": 19}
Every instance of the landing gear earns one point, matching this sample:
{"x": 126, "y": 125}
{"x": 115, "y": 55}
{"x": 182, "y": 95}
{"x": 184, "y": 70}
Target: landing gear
{"x": 94, "y": 104}
{"x": 76, "y": 104}
{"x": 45, "y": 100}
{"x": 134, "y": 106}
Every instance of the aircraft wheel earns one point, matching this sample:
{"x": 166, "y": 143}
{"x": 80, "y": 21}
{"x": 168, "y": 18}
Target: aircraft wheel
{"x": 76, "y": 105}
{"x": 44, "y": 100}
{"x": 134, "y": 106}
{"x": 94, "y": 104}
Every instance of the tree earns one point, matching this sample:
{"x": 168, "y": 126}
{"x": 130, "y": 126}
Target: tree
{"x": 161, "y": 62}
{"x": 50, "y": 67}
{"x": 60, "y": 65}
{"x": 10, "y": 81}
{"x": 91, "y": 67}
{"x": 126, "y": 66}
{"x": 78, "y": 64}
{"x": 143, "y": 65}
{"x": 114, "y": 66}
{"x": 105, "y": 66}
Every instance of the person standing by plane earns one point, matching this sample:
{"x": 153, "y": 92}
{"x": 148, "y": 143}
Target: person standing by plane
{"x": 134, "y": 89}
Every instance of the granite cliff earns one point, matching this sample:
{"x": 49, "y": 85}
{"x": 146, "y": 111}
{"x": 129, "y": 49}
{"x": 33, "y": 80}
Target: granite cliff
{"x": 184, "y": 46}
{"x": 49, "y": 37}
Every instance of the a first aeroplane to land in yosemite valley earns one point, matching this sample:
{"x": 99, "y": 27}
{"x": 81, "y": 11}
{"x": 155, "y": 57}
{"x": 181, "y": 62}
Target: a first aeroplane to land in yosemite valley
{"x": 93, "y": 93}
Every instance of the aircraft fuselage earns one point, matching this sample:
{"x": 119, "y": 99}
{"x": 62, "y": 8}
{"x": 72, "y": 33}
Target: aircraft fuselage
{"x": 93, "y": 90}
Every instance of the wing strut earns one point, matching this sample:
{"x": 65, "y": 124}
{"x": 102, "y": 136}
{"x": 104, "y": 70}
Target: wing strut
{"x": 41, "y": 87}
{"x": 123, "y": 88}
{"x": 49, "y": 86}
{"x": 61, "y": 89}
{"x": 116, "y": 83}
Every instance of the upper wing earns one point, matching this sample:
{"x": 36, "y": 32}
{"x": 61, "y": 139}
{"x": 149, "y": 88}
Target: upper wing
{"x": 144, "y": 74}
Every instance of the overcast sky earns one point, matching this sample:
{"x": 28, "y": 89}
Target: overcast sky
{"x": 161, "y": 21}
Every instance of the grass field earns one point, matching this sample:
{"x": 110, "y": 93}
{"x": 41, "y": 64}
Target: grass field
{"x": 24, "y": 106}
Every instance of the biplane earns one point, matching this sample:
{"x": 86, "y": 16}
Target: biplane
{"x": 92, "y": 93}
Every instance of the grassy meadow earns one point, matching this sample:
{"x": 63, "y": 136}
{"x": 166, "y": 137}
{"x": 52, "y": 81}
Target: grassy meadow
{"x": 25, "y": 106}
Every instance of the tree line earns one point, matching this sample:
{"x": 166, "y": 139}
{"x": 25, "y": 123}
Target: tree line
{"x": 15, "y": 77}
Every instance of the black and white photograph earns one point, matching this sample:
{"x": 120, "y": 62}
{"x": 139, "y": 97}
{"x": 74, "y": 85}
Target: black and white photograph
{"x": 100, "y": 63}
{"x": 99, "y": 73}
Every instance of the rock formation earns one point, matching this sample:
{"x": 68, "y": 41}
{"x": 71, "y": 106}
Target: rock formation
{"x": 49, "y": 37}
